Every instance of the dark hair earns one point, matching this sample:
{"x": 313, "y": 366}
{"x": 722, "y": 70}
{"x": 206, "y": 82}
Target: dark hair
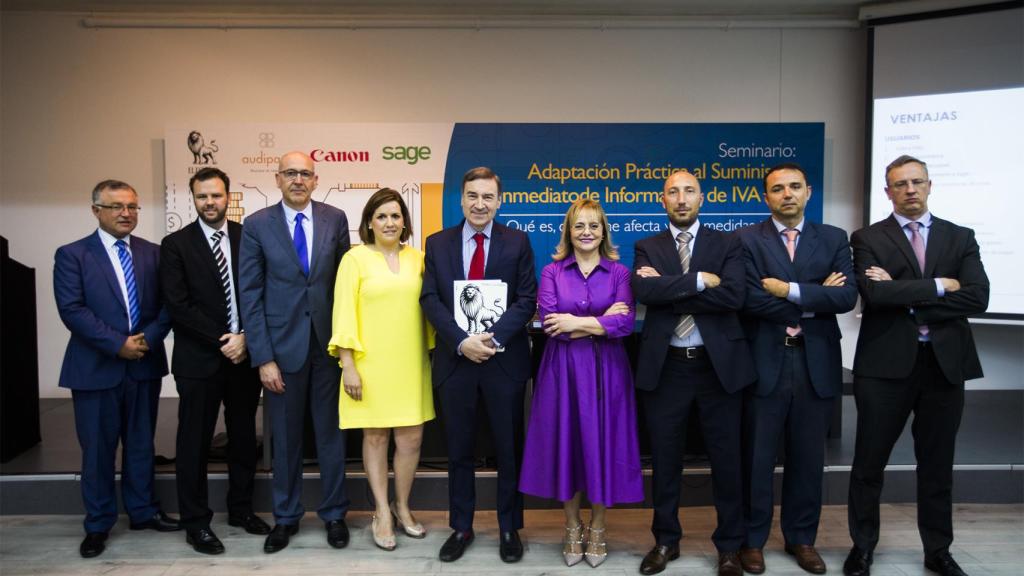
{"x": 111, "y": 185}
{"x": 380, "y": 198}
{"x": 606, "y": 249}
{"x": 209, "y": 173}
{"x": 783, "y": 166}
{"x": 481, "y": 173}
{"x": 904, "y": 159}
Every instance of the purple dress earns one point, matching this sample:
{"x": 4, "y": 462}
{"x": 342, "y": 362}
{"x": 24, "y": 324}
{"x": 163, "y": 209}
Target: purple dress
{"x": 582, "y": 435}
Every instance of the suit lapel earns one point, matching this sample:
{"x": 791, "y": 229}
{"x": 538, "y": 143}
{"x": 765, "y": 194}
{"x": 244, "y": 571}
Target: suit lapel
{"x": 493, "y": 253}
{"x": 320, "y": 233}
{"x": 895, "y": 232}
{"x": 203, "y": 250}
{"x": 279, "y": 228}
{"x": 235, "y": 239}
{"x": 99, "y": 252}
{"x": 773, "y": 243}
{"x": 936, "y": 242}
{"x": 668, "y": 253}
{"x": 807, "y": 244}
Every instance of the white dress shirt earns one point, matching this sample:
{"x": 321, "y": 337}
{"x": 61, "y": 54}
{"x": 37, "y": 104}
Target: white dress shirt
{"x": 225, "y": 248}
{"x": 115, "y": 259}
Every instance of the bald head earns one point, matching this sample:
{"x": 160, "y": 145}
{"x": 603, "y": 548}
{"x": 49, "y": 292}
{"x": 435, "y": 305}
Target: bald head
{"x": 296, "y": 177}
{"x": 682, "y": 199}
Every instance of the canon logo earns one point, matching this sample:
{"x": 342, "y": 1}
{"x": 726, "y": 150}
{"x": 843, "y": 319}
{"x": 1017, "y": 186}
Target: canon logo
{"x": 321, "y": 155}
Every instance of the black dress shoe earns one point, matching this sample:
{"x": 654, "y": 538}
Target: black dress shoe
{"x": 658, "y": 558}
{"x": 858, "y": 563}
{"x": 455, "y": 545}
{"x": 337, "y": 533}
{"x": 160, "y": 522}
{"x": 93, "y": 544}
{"x": 277, "y": 540}
{"x": 252, "y": 523}
{"x": 510, "y": 547}
{"x": 942, "y": 563}
{"x": 204, "y": 541}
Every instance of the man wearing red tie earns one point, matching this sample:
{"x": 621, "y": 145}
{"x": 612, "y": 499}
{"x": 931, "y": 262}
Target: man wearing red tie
{"x": 492, "y": 366}
{"x": 919, "y": 277}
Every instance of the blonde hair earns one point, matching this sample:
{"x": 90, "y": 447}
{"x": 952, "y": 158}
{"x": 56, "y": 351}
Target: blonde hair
{"x": 606, "y": 249}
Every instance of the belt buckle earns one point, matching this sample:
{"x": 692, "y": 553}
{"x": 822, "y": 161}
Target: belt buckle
{"x": 691, "y": 353}
{"x": 792, "y": 341}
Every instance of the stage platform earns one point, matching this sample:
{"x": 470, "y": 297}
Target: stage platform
{"x": 989, "y": 465}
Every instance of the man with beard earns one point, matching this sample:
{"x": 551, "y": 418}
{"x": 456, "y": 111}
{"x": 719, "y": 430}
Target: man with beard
{"x": 692, "y": 351}
{"x": 199, "y": 277}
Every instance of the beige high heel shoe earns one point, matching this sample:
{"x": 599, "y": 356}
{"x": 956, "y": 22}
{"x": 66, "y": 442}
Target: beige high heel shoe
{"x": 597, "y": 548}
{"x": 572, "y": 548}
{"x": 415, "y": 531}
{"x": 383, "y": 542}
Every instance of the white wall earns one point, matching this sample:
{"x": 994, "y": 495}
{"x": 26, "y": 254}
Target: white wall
{"x": 81, "y": 105}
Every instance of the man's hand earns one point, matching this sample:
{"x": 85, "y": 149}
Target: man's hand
{"x": 352, "y": 384}
{"x": 617, "y": 308}
{"x": 270, "y": 376}
{"x": 555, "y": 324}
{"x": 478, "y": 347}
{"x": 647, "y": 272}
{"x": 134, "y": 347}
{"x": 877, "y": 274}
{"x": 835, "y": 279}
{"x": 710, "y": 280}
{"x": 950, "y": 284}
{"x": 775, "y": 287}
{"x": 234, "y": 347}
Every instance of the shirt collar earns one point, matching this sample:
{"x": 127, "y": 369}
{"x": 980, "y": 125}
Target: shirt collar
{"x": 289, "y": 212}
{"x": 468, "y": 231}
{"x": 209, "y": 230}
{"x": 109, "y": 241}
{"x": 925, "y": 220}
{"x": 570, "y": 261}
{"x": 692, "y": 229}
{"x": 782, "y": 227}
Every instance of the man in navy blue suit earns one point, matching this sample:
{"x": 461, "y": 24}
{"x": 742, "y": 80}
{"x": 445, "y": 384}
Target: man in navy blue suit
{"x": 108, "y": 295}
{"x": 288, "y": 261}
{"x": 799, "y": 276}
{"x": 692, "y": 351}
{"x": 492, "y": 366}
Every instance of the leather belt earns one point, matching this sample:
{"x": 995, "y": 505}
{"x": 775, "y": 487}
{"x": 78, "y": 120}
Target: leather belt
{"x": 794, "y": 342}
{"x": 691, "y": 353}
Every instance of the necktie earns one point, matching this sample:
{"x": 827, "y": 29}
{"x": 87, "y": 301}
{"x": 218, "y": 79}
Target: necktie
{"x": 917, "y": 243}
{"x": 686, "y": 323}
{"x": 299, "y": 239}
{"x": 476, "y": 265}
{"x": 129, "y": 281}
{"x": 222, "y": 270}
{"x": 791, "y": 234}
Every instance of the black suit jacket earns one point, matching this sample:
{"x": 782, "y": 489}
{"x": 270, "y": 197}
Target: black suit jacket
{"x": 887, "y": 346}
{"x": 194, "y": 298}
{"x": 822, "y": 250}
{"x": 509, "y": 259}
{"x": 715, "y": 310}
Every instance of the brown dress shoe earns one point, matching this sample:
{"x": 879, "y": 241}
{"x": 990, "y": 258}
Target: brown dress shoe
{"x": 729, "y": 564}
{"x": 752, "y": 560}
{"x": 807, "y": 558}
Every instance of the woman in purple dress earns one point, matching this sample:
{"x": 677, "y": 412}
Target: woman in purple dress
{"x": 582, "y": 436}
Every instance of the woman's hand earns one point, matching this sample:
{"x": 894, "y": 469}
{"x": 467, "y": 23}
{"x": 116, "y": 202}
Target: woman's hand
{"x": 555, "y": 324}
{"x": 617, "y": 308}
{"x": 352, "y": 384}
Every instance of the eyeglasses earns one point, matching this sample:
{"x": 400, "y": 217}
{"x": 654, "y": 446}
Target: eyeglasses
{"x": 293, "y": 174}
{"x": 118, "y": 208}
{"x": 904, "y": 184}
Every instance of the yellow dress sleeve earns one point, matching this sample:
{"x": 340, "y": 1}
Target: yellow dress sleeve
{"x": 345, "y": 318}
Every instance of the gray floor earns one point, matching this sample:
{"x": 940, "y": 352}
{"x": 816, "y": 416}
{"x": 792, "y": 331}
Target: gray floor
{"x": 989, "y": 541}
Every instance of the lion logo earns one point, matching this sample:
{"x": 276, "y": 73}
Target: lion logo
{"x": 479, "y": 316}
{"x": 201, "y": 152}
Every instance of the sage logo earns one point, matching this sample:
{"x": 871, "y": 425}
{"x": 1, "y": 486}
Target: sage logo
{"x": 410, "y": 154}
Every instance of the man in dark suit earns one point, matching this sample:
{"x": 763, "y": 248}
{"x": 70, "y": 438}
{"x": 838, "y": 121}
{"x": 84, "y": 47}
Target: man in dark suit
{"x": 799, "y": 276}
{"x": 108, "y": 295}
{"x": 919, "y": 277}
{"x": 287, "y": 265}
{"x": 199, "y": 277}
{"x": 692, "y": 350}
{"x": 493, "y": 365}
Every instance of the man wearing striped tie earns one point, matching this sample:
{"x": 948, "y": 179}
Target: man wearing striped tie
{"x": 199, "y": 278}
{"x": 108, "y": 295}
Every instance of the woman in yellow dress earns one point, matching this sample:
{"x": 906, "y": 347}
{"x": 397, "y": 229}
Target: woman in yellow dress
{"x": 381, "y": 338}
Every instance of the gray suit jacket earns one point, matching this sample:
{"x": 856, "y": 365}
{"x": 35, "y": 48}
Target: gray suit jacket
{"x": 278, "y": 303}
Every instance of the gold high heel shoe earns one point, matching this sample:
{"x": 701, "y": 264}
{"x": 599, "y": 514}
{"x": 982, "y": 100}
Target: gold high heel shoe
{"x": 383, "y": 542}
{"x": 572, "y": 549}
{"x": 597, "y": 548}
{"x": 415, "y": 531}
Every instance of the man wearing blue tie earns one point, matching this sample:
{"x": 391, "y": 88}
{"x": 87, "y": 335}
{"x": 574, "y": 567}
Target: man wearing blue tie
{"x": 288, "y": 261}
{"x": 108, "y": 295}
